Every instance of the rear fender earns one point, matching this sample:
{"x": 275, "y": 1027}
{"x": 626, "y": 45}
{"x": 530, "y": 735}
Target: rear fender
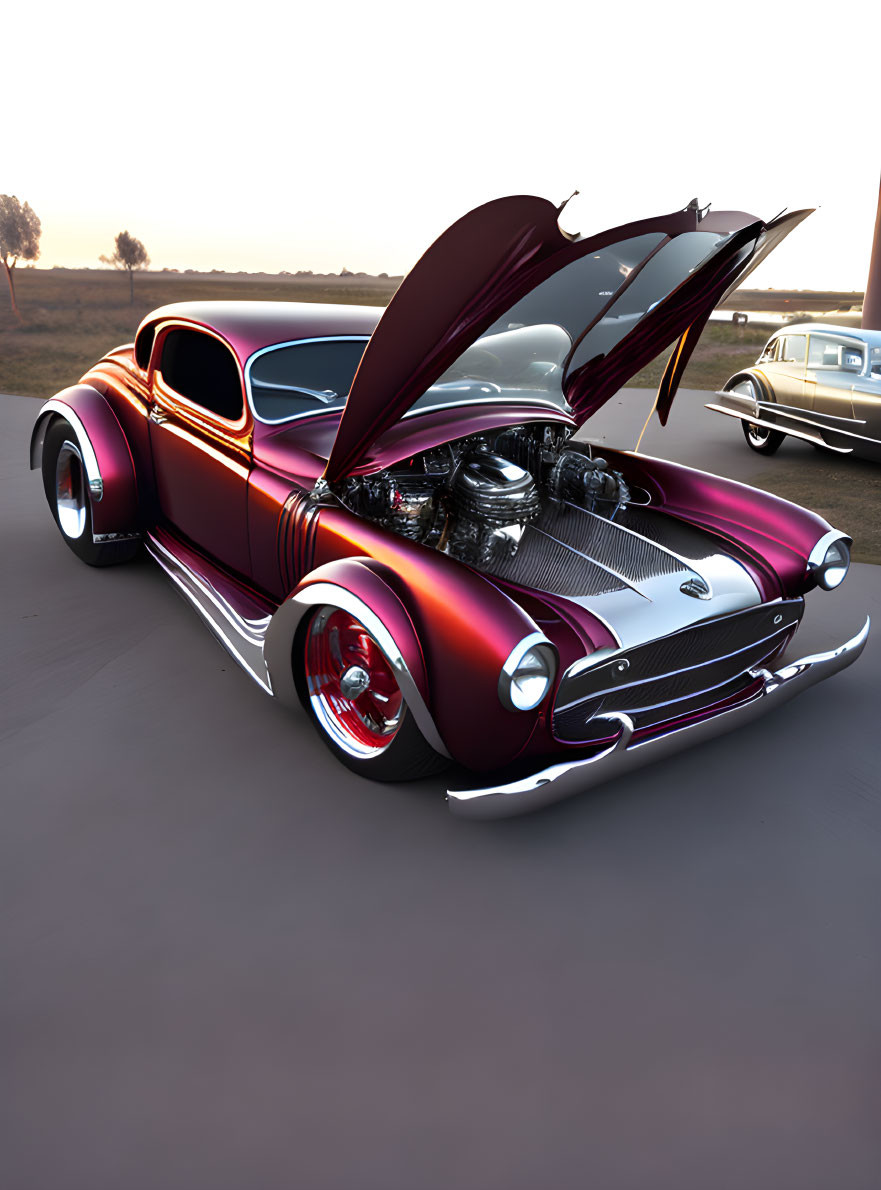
{"x": 110, "y": 471}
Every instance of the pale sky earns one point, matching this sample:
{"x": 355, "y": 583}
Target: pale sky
{"x": 269, "y": 137}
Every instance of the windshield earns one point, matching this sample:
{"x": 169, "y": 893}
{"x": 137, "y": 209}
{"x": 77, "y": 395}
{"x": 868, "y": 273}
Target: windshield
{"x": 293, "y": 380}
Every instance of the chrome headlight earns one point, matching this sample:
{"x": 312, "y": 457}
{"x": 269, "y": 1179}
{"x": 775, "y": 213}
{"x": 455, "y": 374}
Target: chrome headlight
{"x": 528, "y": 673}
{"x": 829, "y": 560}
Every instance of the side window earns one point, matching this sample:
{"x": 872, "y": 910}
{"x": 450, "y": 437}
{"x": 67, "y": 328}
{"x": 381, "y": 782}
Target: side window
{"x": 201, "y": 369}
{"x": 823, "y": 353}
{"x": 770, "y": 352}
{"x": 833, "y": 353}
{"x": 143, "y": 347}
{"x": 794, "y": 347}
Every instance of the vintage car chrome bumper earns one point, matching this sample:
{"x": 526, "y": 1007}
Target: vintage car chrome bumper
{"x": 562, "y": 780}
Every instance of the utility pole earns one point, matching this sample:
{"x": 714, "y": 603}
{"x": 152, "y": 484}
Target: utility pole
{"x": 872, "y": 301}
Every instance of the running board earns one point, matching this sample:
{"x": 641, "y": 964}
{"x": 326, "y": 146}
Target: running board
{"x": 239, "y": 619}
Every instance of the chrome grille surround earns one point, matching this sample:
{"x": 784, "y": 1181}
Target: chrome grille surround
{"x": 659, "y": 681}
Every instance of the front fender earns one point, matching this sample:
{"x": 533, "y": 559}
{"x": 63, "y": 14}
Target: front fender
{"x": 777, "y": 536}
{"x": 446, "y": 643}
{"x": 106, "y": 456}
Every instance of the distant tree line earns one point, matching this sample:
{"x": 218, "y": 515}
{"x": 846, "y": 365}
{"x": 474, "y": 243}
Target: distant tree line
{"x": 20, "y": 232}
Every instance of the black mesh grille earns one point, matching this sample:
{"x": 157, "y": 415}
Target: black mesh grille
{"x": 652, "y": 681}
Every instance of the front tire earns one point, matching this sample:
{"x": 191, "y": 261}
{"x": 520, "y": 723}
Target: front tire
{"x": 352, "y": 696}
{"x": 67, "y": 492}
{"x": 761, "y": 439}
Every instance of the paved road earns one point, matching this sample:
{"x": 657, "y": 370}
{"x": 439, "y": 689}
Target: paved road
{"x": 225, "y": 962}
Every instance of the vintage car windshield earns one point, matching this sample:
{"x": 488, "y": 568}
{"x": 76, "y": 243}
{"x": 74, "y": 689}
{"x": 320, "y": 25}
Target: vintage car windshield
{"x": 291, "y": 380}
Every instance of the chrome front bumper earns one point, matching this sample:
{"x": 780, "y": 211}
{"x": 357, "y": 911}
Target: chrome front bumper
{"x": 562, "y": 780}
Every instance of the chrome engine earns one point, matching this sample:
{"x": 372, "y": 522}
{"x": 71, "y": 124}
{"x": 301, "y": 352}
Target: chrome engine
{"x": 473, "y": 498}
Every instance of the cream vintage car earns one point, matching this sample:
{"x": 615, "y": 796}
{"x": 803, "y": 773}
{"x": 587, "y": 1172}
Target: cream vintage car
{"x": 813, "y": 381}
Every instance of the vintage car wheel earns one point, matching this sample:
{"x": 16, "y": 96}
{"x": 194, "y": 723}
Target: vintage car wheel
{"x": 758, "y": 438}
{"x": 67, "y": 491}
{"x": 354, "y": 699}
{"x": 761, "y": 439}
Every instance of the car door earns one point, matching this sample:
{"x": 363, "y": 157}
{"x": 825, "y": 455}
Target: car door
{"x": 787, "y": 374}
{"x": 831, "y": 368}
{"x": 200, "y": 436}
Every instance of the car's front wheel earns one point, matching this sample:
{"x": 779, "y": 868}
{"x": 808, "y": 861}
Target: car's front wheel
{"x": 67, "y": 491}
{"x": 351, "y": 693}
{"x": 761, "y": 439}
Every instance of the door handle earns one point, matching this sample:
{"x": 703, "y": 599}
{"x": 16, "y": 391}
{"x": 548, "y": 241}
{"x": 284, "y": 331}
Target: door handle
{"x": 157, "y": 416}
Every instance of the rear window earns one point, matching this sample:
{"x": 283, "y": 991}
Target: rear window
{"x": 297, "y": 379}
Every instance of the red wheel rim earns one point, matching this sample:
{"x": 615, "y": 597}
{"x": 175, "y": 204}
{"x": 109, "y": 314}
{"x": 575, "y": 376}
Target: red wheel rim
{"x": 352, "y": 688}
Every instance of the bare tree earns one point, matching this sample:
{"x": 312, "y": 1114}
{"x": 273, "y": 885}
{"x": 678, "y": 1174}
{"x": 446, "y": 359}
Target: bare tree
{"x": 130, "y": 254}
{"x": 19, "y": 238}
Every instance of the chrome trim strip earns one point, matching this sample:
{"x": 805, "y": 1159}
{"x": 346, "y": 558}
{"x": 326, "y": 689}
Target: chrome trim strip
{"x": 280, "y": 636}
{"x": 101, "y": 537}
{"x": 562, "y": 780}
{"x": 90, "y": 459}
{"x": 509, "y": 400}
{"x": 797, "y": 414}
{"x": 769, "y": 425}
{"x": 241, "y": 637}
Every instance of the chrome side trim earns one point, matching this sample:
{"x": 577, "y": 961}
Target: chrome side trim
{"x": 282, "y": 629}
{"x": 562, "y": 780}
{"x": 816, "y": 418}
{"x": 101, "y": 537}
{"x": 770, "y": 425}
{"x": 241, "y": 637}
{"x": 90, "y": 459}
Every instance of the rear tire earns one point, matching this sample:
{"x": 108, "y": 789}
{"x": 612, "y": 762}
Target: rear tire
{"x": 351, "y": 694}
{"x": 67, "y": 491}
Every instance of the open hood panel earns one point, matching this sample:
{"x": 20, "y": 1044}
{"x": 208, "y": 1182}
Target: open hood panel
{"x": 554, "y": 313}
{"x": 775, "y": 232}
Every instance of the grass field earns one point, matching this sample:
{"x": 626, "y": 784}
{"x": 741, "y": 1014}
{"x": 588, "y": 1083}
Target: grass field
{"x": 71, "y": 318}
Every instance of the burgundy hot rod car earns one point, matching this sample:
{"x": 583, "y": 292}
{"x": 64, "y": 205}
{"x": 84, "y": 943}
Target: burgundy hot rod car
{"x": 388, "y": 519}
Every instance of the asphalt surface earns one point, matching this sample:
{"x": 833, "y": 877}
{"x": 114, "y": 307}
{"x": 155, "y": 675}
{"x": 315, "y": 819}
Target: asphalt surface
{"x": 226, "y": 962}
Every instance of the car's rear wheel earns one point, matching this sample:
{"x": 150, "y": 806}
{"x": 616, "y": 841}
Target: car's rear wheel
{"x": 761, "y": 439}
{"x": 67, "y": 491}
{"x": 353, "y": 697}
